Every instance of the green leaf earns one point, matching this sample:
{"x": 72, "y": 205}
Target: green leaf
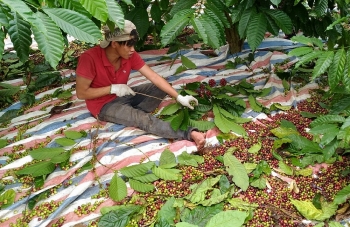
{"x": 156, "y": 12}
{"x": 74, "y": 5}
{"x": 215, "y": 198}
{"x": 347, "y": 66}
{"x": 342, "y": 196}
{"x": 180, "y": 69}
{"x": 2, "y": 39}
{"x": 327, "y": 119}
{"x": 285, "y": 168}
{"x": 117, "y": 188}
{"x": 278, "y": 106}
{"x": 97, "y": 8}
{"x": 300, "y": 51}
{"x": 128, "y": 208}
{"x": 187, "y": 62}
{"x": 259, "y": 183}
{"x": 185, "y": 224}
{"x": 254, "y": 104}
{"x": 38, "y": 169}
{"x": 4, "y": 21}
{"x": 305, "y": 145}
{"x": 75, "y": 24}
{"x": 188, "y": 159}
{"x": 321, "y": 7}
{"x": 336, "y": 69}
{"x": 199, "y": 191}
{"x": 304, "y": 172}
{"x": 265, "y": 92}
{"x": 229, "y": 218}
{"x": 236, "y": 13}
{"x": 25, "y": 12}
{"x": 168, "y": 159}
{"x": 65, "y": 142}
{"x": 50, "y": 43}
{"x": 330, "y": 147}
{"x": 217, "y": 11}
{"x": 282, "y": 132}
{"x": 237, "y": 170}
{"x": 3, "y": 143}
{"x": 303, "y": 40}
{"x": 177, "y": 120}
{"x": 168, "y": 211}
{"x": 200, "y": 215}
{"x": 72, "y": 134}
{"x": 281, "y": 19}
{"x": 61, "y": 158}
{"x": 322, "y": 63}
{"x": 224, "y": 184}
{"x": 225, "y": 125}
{"x": 137, "y": 170}
{"x": 175, "y": 26}
{"x": 181, "y": 5}
{"x": 171, "y": 109}
{"x": 244, "y": 22}
{"x": 255, "y": 148}
{"x": 322, "y": 129}
{"x": 309, "y": 211}
{"x": 8, "y": 90}
{"x": 256, "y": 30}
{"x": 185, "y": 121}
{"x": 307, "y": 58}
{"x": 66, "y": 94}
{"x": 213, "y": 30}
{"x": 46, "y": 153}
{"x": 202, "y": 125}
{"x": 318, "y": 42}
{"x": 139, "y": 16}
{"x": 272, "y": 26}
{"x": 275, "y": 2}
{"x": 249, "y": 167}
{"x": 147, "y": 178}
{"x": 9, "y": 115}
{"x": 140, "y": 187}
{"x": 7, "y": 198}
{"x": 20, "y": 35}
{"x": 116, "y": 218}
{"x": 115, "y": 13}
{"x": 166, "y": 174}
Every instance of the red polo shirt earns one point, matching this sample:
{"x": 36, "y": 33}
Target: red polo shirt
{"x": 94, "y": 65}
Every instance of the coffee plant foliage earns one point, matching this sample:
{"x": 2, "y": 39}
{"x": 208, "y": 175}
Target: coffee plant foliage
{"x": 223, "y": 100}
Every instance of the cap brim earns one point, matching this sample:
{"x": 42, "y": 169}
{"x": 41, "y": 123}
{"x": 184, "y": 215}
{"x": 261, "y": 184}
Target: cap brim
{"x": 104, "y": 43}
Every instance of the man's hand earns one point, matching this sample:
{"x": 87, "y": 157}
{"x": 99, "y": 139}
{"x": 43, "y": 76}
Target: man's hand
{"x": 187, "y": 100}
{"x": 121, "y": 90}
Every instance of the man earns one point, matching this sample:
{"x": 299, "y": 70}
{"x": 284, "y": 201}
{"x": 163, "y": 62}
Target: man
{"x": 102, "y": 75}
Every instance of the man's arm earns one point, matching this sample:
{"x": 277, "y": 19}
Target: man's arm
{"x": 159, "y": 81}
{"x": 84, "y": 91}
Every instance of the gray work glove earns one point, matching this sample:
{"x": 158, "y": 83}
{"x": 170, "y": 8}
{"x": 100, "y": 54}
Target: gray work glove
{"x": 121, "y": 90}
{"x": 186, "y": 100}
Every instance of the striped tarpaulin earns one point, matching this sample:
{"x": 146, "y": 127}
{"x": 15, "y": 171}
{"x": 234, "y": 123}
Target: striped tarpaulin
{"x": 118, "y": 146}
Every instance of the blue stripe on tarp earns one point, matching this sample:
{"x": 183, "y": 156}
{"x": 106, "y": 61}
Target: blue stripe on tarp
{"x": 59, "y": 124}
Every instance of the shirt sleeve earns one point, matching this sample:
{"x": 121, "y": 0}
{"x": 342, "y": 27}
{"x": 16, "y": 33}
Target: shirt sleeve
{"x": 137, "y": 61}
{"x": 86, "y": 67}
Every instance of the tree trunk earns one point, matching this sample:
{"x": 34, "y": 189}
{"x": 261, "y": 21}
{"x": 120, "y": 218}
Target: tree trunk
{"x": 233, "y": 39}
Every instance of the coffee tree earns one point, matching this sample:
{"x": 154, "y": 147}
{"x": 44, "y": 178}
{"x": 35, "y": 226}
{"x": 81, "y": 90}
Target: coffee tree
{"x": 216, "y": 22}
{"x": 219, "y": 22}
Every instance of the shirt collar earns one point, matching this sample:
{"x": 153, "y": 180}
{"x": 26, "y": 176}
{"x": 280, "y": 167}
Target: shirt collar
{"x": 106, "y": 61}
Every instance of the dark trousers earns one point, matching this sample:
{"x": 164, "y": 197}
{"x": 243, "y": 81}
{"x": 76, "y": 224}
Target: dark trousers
{"x": 134, "y": 111}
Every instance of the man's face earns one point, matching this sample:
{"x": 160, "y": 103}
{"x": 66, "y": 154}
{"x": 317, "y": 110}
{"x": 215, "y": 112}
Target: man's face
{"x": 125, "y": 50}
